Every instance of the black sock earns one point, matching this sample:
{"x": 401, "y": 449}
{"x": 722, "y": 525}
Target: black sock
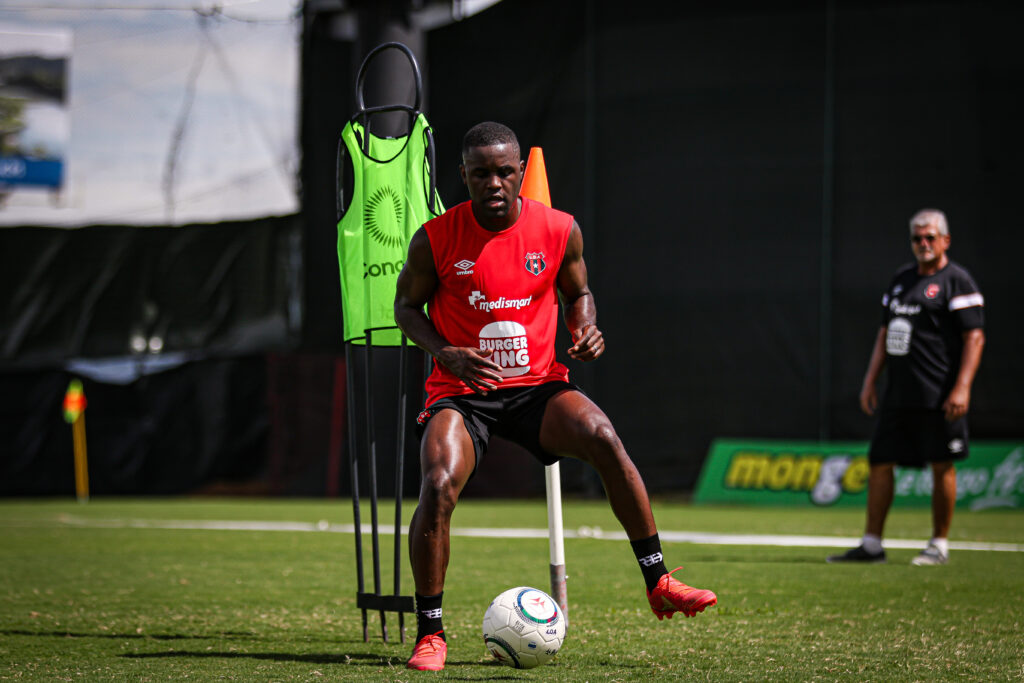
{"x": 652, "y": 564}
{"x": 428, "y": 615}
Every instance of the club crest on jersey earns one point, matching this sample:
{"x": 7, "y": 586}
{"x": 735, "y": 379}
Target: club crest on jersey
{"x": 535, "y": 264}
{"x": 931, "y": 291}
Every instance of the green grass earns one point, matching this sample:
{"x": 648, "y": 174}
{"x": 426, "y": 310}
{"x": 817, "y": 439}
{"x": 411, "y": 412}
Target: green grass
{"x": 83, "y": 602}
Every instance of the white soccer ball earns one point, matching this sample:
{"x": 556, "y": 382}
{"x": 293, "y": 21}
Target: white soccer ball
{"x": 524, "y": 627}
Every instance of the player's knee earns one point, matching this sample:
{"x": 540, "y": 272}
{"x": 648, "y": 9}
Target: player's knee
{"x": 438, "y": 491}
{"x": 602, "y": 443}
{"x": 605, "y": 435}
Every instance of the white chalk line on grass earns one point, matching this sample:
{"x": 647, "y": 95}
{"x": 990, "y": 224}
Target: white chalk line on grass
{"x": 581, "y": 532}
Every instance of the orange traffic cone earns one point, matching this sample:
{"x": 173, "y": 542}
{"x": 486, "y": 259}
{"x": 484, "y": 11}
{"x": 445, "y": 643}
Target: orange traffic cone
{"x": 535, "y": 178}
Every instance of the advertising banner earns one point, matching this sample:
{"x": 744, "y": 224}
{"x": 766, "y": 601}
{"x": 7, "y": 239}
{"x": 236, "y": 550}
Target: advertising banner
{"x": 836, "y": 473}
{"x": 33, "y": 107}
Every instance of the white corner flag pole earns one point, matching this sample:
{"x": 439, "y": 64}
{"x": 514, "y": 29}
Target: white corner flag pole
{"x": 556, "y": 545}
{"x": 535, "y": 187}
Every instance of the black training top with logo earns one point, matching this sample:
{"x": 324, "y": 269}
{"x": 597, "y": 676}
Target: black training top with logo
{"x": 925, "y": 317}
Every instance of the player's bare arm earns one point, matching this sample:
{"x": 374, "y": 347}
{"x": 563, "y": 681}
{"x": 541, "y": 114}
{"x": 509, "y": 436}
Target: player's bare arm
{"x": 958, "y": 402}
{"x": 578, "y": 308}
{"x": 868, "y": 392}
{"x": 416, "y": 284}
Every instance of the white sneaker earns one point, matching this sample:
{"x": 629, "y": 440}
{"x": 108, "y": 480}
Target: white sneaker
{"x": 930, "y": 556}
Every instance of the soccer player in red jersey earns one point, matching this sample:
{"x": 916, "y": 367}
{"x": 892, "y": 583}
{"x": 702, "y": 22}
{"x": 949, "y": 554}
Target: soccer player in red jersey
{"x": 491, "y": 273}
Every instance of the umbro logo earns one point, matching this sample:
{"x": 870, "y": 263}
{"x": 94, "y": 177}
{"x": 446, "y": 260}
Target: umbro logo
{"x": 464, "y": 267}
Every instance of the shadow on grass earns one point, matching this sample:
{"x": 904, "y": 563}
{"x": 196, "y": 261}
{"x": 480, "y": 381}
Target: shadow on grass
{"x": 357, "y": 659}
{"x": 120, "y": 636}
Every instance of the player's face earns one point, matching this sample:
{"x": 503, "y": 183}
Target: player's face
{"x": 493, "y": 175}
{"x": 928, "y": 245}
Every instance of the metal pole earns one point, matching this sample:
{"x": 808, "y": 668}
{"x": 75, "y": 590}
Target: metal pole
{"x": 353, "y": 460}
{"x": 399, "y": 472}
{"x": 375, "y": 529}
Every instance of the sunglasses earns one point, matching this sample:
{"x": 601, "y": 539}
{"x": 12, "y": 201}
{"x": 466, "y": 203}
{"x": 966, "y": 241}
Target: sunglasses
{"x": 917, "y": 239}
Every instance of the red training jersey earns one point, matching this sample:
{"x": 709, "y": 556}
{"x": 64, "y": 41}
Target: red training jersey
{"x": 497, "y": 291}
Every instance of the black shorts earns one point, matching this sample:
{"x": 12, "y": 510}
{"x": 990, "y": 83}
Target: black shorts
{"x": 514, "y": 414}
{"x": 914, "y": 438}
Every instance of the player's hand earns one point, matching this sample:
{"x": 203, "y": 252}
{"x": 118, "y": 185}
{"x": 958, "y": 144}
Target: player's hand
{"x": 957, "y": 403}
{"x": 868, "y": 399}
{"x": 588, "y": 344}
{"x": 473, "y": 366}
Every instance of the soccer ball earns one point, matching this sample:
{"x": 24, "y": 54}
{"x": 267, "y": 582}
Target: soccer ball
{"x": 524, "y": 627}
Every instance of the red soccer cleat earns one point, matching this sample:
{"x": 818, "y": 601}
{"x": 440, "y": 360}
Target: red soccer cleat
{"x": 429, "y": 654}
{"x": 671, "y": 596}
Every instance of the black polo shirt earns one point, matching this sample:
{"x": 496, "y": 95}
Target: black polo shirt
{"x": 925, "y": 317}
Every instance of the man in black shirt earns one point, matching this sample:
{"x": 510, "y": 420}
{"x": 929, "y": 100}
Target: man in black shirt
{"x": 931, "y": 339}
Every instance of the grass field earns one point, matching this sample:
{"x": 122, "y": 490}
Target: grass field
{"x": 97, "y": 592}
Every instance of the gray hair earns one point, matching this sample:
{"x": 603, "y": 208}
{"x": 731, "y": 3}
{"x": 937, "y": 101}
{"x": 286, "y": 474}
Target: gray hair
{"x": 930, "y": 217}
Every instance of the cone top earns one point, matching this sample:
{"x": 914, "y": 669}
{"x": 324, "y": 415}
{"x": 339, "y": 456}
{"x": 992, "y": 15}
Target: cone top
{"x": 535, "y": 179}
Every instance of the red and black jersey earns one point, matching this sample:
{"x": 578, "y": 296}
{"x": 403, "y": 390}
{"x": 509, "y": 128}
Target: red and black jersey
{"x": 925, "y": 317}
{"x": 497, "y": 291}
